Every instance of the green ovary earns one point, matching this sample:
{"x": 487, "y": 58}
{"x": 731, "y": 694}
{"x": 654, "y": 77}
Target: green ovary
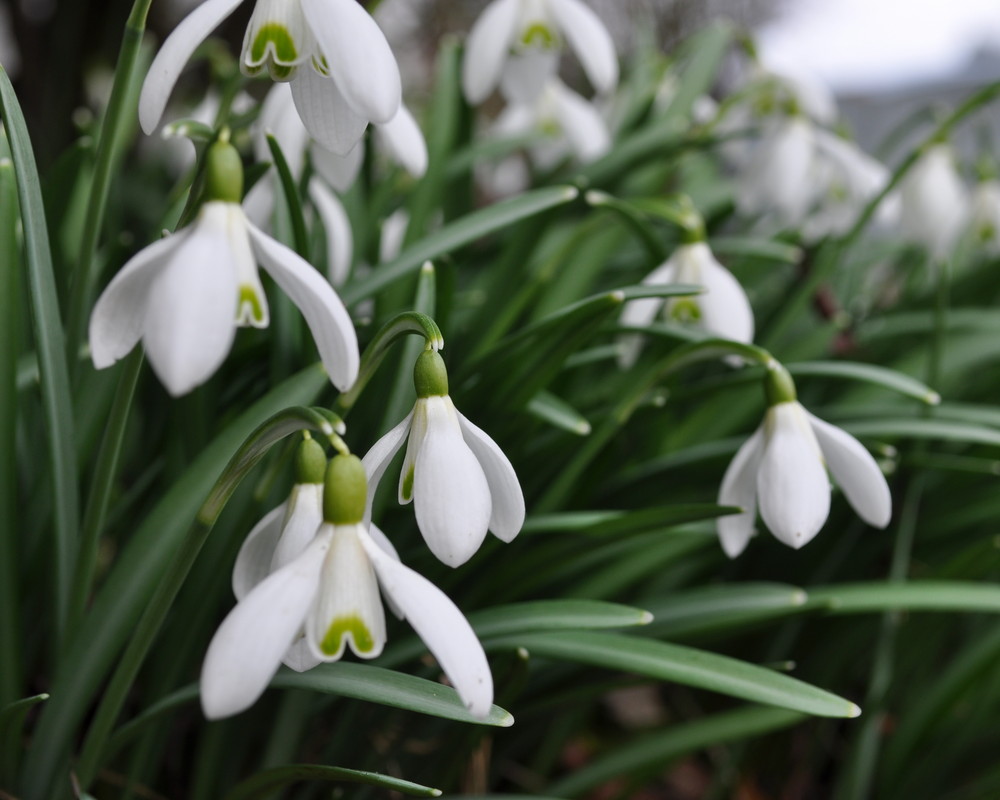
{"x": 340, "y": 627}
{"x": 276, "y": 38}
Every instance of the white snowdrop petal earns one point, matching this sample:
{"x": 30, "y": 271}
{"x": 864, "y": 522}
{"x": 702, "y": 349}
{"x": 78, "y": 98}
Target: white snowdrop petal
{"x": 582, "y": 124}
{"x": 486, "y": 49}
{"x": 739, "y": 488}
{"x": 348, "y": 609}
{"x": 325, "y": 113}
{"x": 642, "y": 312}
{"x": 378, "y": 457}
{"x": 337, "y": 226}
{"x": 792, "y": 486}
{"x": 725, "y": 308}
{"x": 299, "y": 656}
{"x": 325, "y": 314}
{"x": 855, "y": 471}
{"x": 303, "y": 516}
{"x": 451, "y": 496}
{"x": 359, "y": 57}
{"x": 386, "y": 547}
{"x": 590, "y": 41}
{"x": 443, "y": 628}
{"x": 117, "y": 320}
{"x": 253, "y": 562}
{"x": 174, "y": 54}
{"x": 505, "y": 489}
{"x": 527, "y": 73}
{"x": 190, "y": 316}
{"x": 250, "y": 643}
{"x": 278, "y": 118}
{"x": 404, "y": 141}
{"x": 340, "y": 171}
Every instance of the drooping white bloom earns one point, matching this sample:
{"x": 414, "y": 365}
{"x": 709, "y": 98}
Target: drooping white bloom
{"x": 568, "y": 124}
{"x": 986, "y": 214}
{"x": 782, "y": 469}
{"x": 777, "y": 181}
{"x": 520, "y": 40}
{"x": 460, "y": 482}
{"x": 343, "y": 74}
{"x": 308, "y": 606}
{"x": 935, "y": 205}
{"x": 185, "y": 295}
{"x": 847, "y": 178}
{"x": 723, "y": 309}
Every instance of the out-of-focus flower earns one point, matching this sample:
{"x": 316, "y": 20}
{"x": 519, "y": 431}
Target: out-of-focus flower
{"x": 723, "y": 309}
{"x": 783, "y": 467}
{"x": 325, "y": 598}
{"x": 185, "y": 295}
{"x": 343, "y": 74}
{"x": 986, "y": 214}
{"x": 519, "y": 41}
{"x": 460, "y": 482}
{"x": 777, "y": 181}
{"x": 935, "y": 203}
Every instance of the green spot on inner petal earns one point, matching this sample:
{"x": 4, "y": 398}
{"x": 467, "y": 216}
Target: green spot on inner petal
{"x": 685, "y": 311}
{"x": 274, "y": 36}
{"x": 408, "y": 484}
{"x": 249, "y": 301}
{"x": 321, "y": 66}
{"x": 538, "y": 35}
{"x": 364, "y": 642}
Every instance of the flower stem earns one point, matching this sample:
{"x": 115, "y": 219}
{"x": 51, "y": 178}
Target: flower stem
{"x": 118, "y": 112}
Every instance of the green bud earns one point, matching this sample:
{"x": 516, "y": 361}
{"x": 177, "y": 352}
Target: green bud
{"x": 430, "y": 376}
{"x": 310, "y": 461}
{"x": 345, "y": 492}
{"x": 778, "y": 384}
{"x": 223, "y": 172}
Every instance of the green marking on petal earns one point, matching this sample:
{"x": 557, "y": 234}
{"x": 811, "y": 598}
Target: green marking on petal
{"x": 408, "y": 485}
{"x": 685, "y": 310}
{"x": 539, "y": 35}
{"x": 364, "y": 642}
{"x": 321, "y": 66}
{"x": 274, "y": 37}
{"x": 249, "y": 309}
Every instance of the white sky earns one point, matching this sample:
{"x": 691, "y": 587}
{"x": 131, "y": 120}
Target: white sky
{"x": 864, "y": 44}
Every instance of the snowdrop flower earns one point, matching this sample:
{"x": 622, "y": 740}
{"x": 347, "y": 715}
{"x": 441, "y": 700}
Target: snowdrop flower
{"x": 723, "y": 309}
{"x": 777, "y": 181}
{"x": 185, "y": 295}
{"x": 934, "y": 208}
{"x": 569, "y": 124}
{"x": 847, "y": 179}
{"x": 783, "y": 469}
{"x": 460, "y": 482}
{"x": 343, "y": 74}
{"x": 520, "y": 40}
{"x": 986, "y": 214}
{"x": 324, "y": 598}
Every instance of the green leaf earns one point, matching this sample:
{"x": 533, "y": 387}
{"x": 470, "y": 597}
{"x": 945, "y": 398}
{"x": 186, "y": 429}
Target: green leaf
{"x": 292, "y": 200}
{"x": 651, "y": 753}
{"x": 459, "y": 233}
{"x": 877, "y": 596}
{"x": 553, "y": 615}
{"x": 924, "y": 429}
{"x": 686, "y": 665}
{"x": 12, "y": 737}
{"x": 268, "y": 781}
{"x": 757, "y": 249}
{"x": 557, "y": 412}
{"x": 870, "y": 373}
{"x": 711, "y": 608}
{"x": 51, "y": 348}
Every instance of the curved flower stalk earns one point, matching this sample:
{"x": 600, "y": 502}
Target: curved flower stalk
{"x": 783, "y": 467}
{"x": 986, "y": 215}
{"x": 460, "y": 482}
{"x": 723, "y": 309}
{"x": 343, "y": 74}
{"x": 934, "y": 202}
{"x": 321, "y": 596}
{"x": 185, "y": 295}
{"x": 519, "y": 41}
